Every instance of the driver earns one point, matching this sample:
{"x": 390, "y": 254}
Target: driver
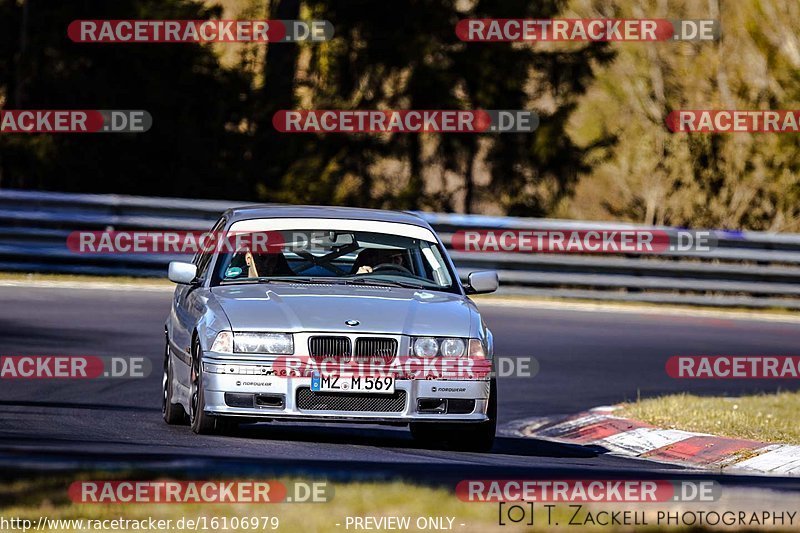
{"x": 371, "y": 258}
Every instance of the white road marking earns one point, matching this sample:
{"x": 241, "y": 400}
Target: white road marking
{"x": 89, "y": 285}
{"x": 775, "y": 459}
{"x": 483, "y": 301}
{"x": 642, "y": 440}
{"x": 561, "y": 429}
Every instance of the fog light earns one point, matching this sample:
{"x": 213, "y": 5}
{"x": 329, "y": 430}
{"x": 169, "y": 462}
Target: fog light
{"x": 431, "y": 405}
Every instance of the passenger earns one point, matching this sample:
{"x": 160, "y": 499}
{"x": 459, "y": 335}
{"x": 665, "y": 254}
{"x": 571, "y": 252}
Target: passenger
{"x": 266, "y": 264}
{"x": 370, "y": 258}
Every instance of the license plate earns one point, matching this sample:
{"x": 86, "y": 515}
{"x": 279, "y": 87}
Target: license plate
{"x": 380, "y": 385}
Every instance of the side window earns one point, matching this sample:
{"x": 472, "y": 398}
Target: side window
{"x": 203, "y": 259}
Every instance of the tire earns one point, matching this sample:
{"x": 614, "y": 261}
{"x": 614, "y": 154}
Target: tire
{"x": 173, "y": 413}
{"x": 202, "y": 423}
{"x": 464, "y": 437}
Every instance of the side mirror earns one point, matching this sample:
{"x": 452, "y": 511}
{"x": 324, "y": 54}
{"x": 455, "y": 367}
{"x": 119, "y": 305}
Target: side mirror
{"x": 183, "y": 273}
{"x": 482, "y": 282}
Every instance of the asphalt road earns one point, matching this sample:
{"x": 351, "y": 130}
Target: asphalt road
{"x": 586, "y": 359}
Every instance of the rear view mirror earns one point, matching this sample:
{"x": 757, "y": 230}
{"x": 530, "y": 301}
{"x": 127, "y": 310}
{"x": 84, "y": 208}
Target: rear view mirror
{"x": 482, "y": 282}
{"x": 343, "y": 239}
{"x": 182, "y": 273}
{"x": 322, "y": 241}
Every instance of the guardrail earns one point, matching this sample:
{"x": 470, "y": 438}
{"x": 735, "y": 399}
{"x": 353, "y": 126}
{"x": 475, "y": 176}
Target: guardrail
{"x": 745, "y": 269}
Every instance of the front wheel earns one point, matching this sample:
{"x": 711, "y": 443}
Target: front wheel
{"x": 173, "y": 413}
{"x": 202, "y": 423}
{"x": 465, "y": 437}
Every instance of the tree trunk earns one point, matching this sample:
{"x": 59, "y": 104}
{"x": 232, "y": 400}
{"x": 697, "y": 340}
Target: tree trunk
{"x": 269, "y": 157}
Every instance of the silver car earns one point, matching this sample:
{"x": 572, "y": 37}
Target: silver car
{"x": 335, "y": 285}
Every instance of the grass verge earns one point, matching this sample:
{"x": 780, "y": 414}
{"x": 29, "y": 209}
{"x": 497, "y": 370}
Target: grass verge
{"x": 764, "y": 417}
{"x": 46, "y": 496}
{"x": 31, "y": 499}
{"x": 354, "y": 499}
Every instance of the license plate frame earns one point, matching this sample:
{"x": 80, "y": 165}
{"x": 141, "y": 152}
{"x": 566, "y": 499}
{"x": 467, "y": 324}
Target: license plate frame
{"x": 353, "y": 384}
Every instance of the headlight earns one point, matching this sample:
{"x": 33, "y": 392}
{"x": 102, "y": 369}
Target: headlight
{"x": 426, "y": 347}
{"x": 452, "y": 347}
{"x": 442, "y": 346}
{"x": 269, "y": 343}
{"x": 223, "y": 343}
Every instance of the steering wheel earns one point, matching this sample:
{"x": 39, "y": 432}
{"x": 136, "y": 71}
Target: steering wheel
{"x": 391, "y": 266}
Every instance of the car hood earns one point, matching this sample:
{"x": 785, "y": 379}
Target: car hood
{"x": 295, "y": 308}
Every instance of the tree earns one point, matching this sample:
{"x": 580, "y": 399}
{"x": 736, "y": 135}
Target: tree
{"x": 191, "y": 149}
{"x": 703, "y": 180}
{"x": 374, "y": 62}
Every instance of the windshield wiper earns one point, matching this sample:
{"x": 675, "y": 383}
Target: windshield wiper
{"x": 383, "y": 283}
{"x": 245, "y": 280}
{"x": 305, "y": 280}
{"x": 308, "y": 280}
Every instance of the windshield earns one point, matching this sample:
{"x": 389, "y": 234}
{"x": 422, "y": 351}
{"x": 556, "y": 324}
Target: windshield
{"x": 347, "y": 257}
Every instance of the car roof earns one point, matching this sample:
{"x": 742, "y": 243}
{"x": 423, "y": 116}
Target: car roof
{"x": 320, "y": 211}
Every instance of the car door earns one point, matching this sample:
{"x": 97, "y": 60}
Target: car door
{"x": 188, "y": 307}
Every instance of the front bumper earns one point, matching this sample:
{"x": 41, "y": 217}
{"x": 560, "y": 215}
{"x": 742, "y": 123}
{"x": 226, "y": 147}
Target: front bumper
{"x": 248, "y": 380}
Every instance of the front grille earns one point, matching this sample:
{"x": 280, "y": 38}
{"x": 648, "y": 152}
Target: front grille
{"x": 375, "y": 349}
{"x": 334, "y": 348}
{"x": 308, "y": 400}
